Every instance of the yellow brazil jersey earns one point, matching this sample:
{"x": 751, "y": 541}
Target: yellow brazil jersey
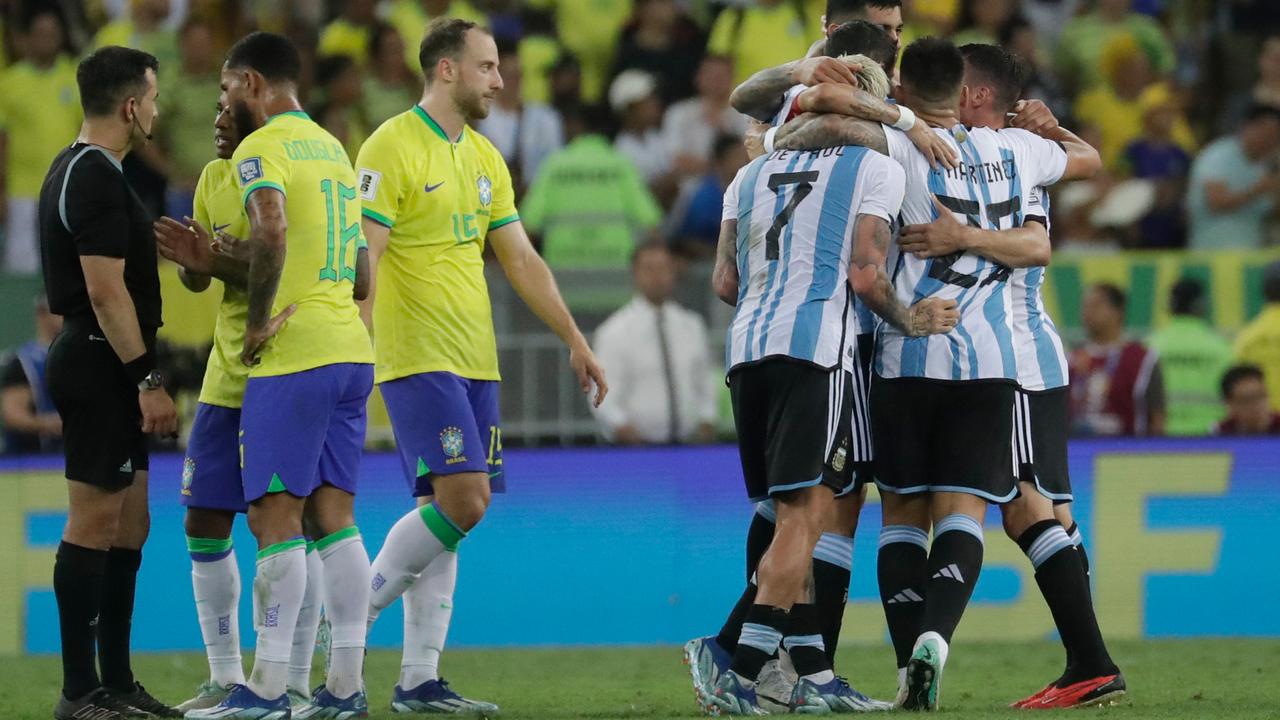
{"x": 294, "y": 155}
{"x": 40, "y": 111}
{"x": 441, "y": 199}
{"x": 217, "y": 207}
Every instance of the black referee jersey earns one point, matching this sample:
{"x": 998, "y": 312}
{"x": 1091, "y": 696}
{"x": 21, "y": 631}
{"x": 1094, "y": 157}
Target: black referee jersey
{"x": 87, "y": 208}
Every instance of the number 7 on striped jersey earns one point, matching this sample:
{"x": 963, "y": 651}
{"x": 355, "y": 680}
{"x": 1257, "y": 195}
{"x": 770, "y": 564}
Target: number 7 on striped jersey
{"x": 777, "y": 181}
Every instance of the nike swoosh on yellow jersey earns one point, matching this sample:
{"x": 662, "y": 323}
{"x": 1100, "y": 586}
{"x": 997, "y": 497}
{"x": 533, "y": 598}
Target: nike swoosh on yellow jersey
{"x": 431, "y": 187}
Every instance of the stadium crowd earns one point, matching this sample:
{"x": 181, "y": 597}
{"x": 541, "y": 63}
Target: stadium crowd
{"x": 615, "y": 121}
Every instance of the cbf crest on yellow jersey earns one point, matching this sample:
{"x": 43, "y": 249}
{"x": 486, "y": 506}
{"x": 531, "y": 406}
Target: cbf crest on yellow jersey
{"x": 440, "y": 198}
{"x": 217, "y": 207}
{"x": 294, "y": 155}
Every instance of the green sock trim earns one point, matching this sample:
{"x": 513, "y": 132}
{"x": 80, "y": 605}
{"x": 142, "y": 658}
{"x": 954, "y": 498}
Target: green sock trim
{"x": 281, "y": 547}
{"x": 442, "y": 527}
{"x": 348, "y": 532}
{"x": 276, "y": 486}
{"x": 208, "y": 546}
{"x": 311, "y": 546}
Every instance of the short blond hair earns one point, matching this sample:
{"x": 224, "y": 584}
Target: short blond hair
{"x": 871, "y": 77}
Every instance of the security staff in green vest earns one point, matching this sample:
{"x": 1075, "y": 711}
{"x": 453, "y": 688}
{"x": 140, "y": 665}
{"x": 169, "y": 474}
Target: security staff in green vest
{"x": 1193, "y": 357}
{"x": 588, "y": 203}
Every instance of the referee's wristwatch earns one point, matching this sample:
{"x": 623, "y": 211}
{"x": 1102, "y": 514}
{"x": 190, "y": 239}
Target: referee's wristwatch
{"x": 153, "y": 381}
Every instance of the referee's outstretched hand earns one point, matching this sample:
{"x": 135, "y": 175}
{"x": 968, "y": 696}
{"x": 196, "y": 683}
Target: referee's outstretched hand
{"x": 159, "y": 415}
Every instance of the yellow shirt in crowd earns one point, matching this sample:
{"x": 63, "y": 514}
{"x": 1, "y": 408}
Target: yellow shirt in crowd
{"x": 37, "y": 129}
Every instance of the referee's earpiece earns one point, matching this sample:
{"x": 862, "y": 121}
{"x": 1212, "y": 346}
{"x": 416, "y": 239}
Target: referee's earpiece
{"x": 134, "y": 119}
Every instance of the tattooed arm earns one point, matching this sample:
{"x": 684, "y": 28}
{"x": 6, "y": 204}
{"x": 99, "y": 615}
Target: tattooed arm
{"x": 761, "y": 95}
{"x": 267, "y": 225}
{"x": 724, "y": 278}
{"x": 855, "y": 102}
{"x": 872, "y": 285}
{"x": 811, "y": 131}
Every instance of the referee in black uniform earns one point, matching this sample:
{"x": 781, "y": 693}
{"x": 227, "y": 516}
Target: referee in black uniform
{"x": 100, "y": 274}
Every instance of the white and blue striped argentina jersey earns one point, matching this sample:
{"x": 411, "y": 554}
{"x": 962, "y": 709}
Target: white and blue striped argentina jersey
{"x": 1042, "y": 357}
{"x": 987, "y": 190}
{"x": 796, "y": 213}
{"x": 866, "y": 318}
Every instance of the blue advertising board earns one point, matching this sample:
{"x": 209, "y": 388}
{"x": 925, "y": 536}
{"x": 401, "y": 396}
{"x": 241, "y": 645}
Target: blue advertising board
{"x": 611, "y": 546}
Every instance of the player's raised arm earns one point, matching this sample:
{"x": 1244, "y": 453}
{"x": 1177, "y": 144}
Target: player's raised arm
{"x": 852, "y": 101}
{"x": 760, "y": 96}
{"x": 812, "y": 131}
{"x": 1020, "y": 247}
{"x": 529, "y": 275}
{"x": 1083, "y": 160}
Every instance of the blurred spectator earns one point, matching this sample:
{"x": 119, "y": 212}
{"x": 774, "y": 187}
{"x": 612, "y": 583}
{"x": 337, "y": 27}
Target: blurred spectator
{"x": 539, "y": 52}
{"x": 349, "y": 33}
{"x": 143, "y": 28}
{"x": 694, "y": 223}
{"x": 929, "y": 17}
{"x": 39, "y": 116}
{"x": 29, "y": 419}
{"x": 982, "y": 21}
{"x": 1116, "y": 383}
{"x": 390, "y": 87}
{"x": 634, "y": 99}
{"x": 1266, "y": 91}
{"x": 181, "y": 144}
{"x": 764, "y": 34}
{"x": 589, "y": 29}
{"x": 1259, "y": 342}
{"x": 1114, "y": 106}
{"x": 336, "y": 101}
{"x": 664, "y": 42}
{"x": 524, "y": 132}
{"x": 1234, "y": 184}
{"x": 690, "y": 127}
{"x": 1156, "y": 157}
{"x": 1244, "y": 395}
{"x": 1050, "y": 17}
{"x": 564, "y": 83}
{"x": 1193, "y": 357}
{"x": 1079, "y": 56}
{"x": 660, "y": 372}
{"x": 411, "y": 17}
{"x": 1022, "y": 38}
{"x": 588, "y": 203}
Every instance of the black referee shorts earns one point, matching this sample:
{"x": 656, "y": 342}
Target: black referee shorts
{"x": 101, "y": 423}
{"x": 939, "y": 436}
{"x": 1040, "y": 426}
{"x": 799, "y": 426}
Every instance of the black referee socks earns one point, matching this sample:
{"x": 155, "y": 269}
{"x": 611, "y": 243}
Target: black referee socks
{"x": 1065, "y": 587}
{"x": 77, "y": 584}
{"x": 115, "y": 619}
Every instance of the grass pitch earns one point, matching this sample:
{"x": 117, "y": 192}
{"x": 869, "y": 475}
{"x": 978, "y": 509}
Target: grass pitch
{"x": 1210, "y": 679}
